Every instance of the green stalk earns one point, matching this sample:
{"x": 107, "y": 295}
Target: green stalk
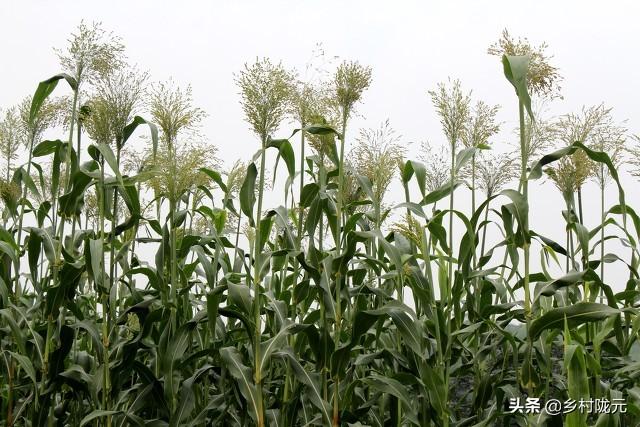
{"x": 603, "y": 217}
{"x": 60, "y": 234}
{"x": 173, "y": 260}
{"x": 476, "y": 340}
{"x": 78, "y": 143}
{"x": 105, "y": 300}
{"x": 338, "y": 241}
{"x": 568, "y": 260}
{"x": 412, "y": 245}
{"x": 450, "y": 284}
{"x": 21, "y": 216}
{"x": 526, "y": 246}
{"x": 602, "y": 222}
{"x": 10, "y": 370}
{"x": 32, "y": 137}
{"x": 237, "y": 242}
{"x": 133, "y": 242}
{"x": 289, "y": 377}
{"x": 473, "y": 185}
{"x": 452, "y": 178}
{"x": 425, "y": 248}
{"x": 484, "y": 229}
{"x": 112, "y": 264}
{"x": 173, "y": 242}
{"x": 584, "y": 251}
{"x": 257, "y": 281}
{"x": 324, "y": 374}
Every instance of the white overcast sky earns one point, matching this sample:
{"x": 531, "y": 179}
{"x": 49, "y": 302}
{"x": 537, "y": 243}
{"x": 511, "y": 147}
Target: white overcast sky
{"x": 411, "y": 46}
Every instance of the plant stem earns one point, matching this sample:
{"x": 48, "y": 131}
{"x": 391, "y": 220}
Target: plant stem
{"x": 257, "y": 282}
{"x": 58, "y": 246}
{"x": 484, "y": 228}
{"x": 525, "y": 226}
{"x": 338, "y": 242}
{"x": 603, "y": 217}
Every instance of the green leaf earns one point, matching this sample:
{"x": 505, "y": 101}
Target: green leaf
{"x": 9, "y": 250}
{"x": 366, "y": 185}
{"x": 440, "y": 193}
{"x": 137, "y": 121}
{"x": 129, "y": 192}
{"x": 435, "y": 388}
{"x": 272, "y": 344}
{"x": 233, "y": 360}
{"x": 45, "y": 88}
{"x": 92, "y": 331}
{"x": 516, "y": 69}
{"x": 240, "y": 296}
{"x": 48, "y": 242}
{"x": 70, "y": 204}
{"x": 409, "y": 330}
{"x": 210, "y": 274}
{"x": 174, "y": 353}
{"x": 285, "y": 151}
{"x": 521, "y": 208}
{"x": 26, "y": 364}
{"x": 187, "y": 397}
{"x": 576, "y": 314}
{"x": 98, "y": 413}
{"x": 310, "y": 381}
{"x": 95, "y": 266}
{"x": 36, "y": 338}
{"x": 46, "y": 147}
{"x": 16, "y": 331}
{"x": 216, "y": 177}
{"x": 596, "y": 156}
{"x": 390, "y": 386}
{"x": 412, "y": 167}
{"x": 577, "y": 382}
{"x": 317, "y": 129}
{"x": 568, "y": 279}
{"x": 247, "y": 192}
{"x": 308, "y": 195}
{"x": 463, "y": 157}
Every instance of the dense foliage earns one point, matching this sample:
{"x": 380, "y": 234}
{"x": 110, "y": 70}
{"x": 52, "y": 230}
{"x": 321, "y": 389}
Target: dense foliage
{"x": 153, "y": 287}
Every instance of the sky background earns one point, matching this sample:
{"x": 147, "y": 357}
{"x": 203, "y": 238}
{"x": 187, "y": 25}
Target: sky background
{"x": 410, "y": 45}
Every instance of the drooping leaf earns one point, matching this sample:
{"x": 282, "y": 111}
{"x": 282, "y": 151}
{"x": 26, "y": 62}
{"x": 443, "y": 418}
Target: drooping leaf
{"x": 516, "y": 69}
{"x": 575, "y": 314}
{"x": 247, "y": 192}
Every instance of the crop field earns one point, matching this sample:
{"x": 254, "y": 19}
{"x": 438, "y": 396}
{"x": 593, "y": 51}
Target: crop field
{"x": 145, "y": 282}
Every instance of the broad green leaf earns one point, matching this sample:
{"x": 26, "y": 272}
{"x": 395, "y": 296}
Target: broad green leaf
{"x": 285, "y": 151}
{"x": 247, "y": 192}
{"x": 233, "y": 360}
{"x": 26, "y": 364}
{"x": 277, "y": 342}
{"x": 577, "y": 382}
{"x": 311, "y": 381}
{"x": 516, "y": 69}
{"x": 576, "y": 314}
{"x": 44, "y": 90}
{"x": 131, "y": 127}
{"x": 216, "y": 177}
{"x": 240, "y": 296}
{"x": 412, "y": 167}
{"x": 596, "y": 156}
{"x": 390, "y": 386}
{"x": 98, "y": 413}
{"x": 187, "y": 397}
{"x": 440, "y": 193}
{"x": 309, "y": 193}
